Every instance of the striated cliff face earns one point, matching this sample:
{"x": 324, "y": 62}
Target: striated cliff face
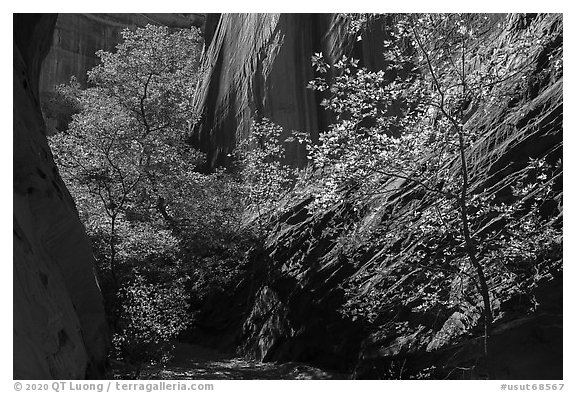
{"x": 299, "y": 278}
{"x": 59, "y": 324}
{"x": 258, "y": 65}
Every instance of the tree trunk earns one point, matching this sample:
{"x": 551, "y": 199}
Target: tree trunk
{"x": 471, "y": 250}
{"x": 115, "y": 306}
{"x": 113, "y": 254}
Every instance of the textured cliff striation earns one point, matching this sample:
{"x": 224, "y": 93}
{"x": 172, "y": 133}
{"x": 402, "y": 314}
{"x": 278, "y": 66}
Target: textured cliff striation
{"x": 300, "y": 276}
{"x": 59, "y": 324}
{"x": 258, "y": 65}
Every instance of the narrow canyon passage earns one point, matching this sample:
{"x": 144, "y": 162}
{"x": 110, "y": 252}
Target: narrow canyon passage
{"x": 380, "y": 195}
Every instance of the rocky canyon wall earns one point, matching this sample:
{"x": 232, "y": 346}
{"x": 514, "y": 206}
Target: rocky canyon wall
{"x": 258, "y": 65}
{"x": 59, "y": 328}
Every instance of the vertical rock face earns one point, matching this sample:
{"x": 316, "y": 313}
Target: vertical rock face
{"x": 59, "y": 323}
{"x": 258, "y": 65}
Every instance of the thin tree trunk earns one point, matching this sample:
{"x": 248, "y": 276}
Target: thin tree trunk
{"x": 115, "y": 283}
{"x": 470, "y": 245}
{"x": 113, "y": 254}
{"x": 115, "y": 310}
{"x": 471, "y": 249}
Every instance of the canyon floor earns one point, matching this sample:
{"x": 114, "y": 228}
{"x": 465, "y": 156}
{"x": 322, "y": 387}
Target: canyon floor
{"x": 196, "y": 362}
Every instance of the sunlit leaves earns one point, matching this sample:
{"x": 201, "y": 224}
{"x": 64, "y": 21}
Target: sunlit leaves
{"x": 152, "y": 217}
{"x": 154, "y": 69}
{"x": 125, "y": 159}
{"x": 127, "y": 143}
{"x": 397, "y": 132}
{"x": 265, "y": 174}
{"x": 154, "y": 314}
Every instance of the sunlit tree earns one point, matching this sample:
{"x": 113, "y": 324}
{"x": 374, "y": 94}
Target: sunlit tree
{"x": 407, "y": 126}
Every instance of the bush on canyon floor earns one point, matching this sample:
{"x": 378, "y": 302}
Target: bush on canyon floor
{"x": 152, "y": 216}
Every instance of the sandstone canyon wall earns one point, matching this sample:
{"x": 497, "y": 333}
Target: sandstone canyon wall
{"x": 258, "y": 65}
{"x": 59, "y": 328}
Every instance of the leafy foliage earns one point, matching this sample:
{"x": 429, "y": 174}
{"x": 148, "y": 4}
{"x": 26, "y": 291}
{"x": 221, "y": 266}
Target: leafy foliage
{"x": 265, "y": 175}
{"x": 153, "y": 314}
{"x": 402, "y": 135}
{"x": 152, "y": 217}
{"x": 402, "y": 120}
{"x": 127, "y": 144}
{"x": 61, "y": 104}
